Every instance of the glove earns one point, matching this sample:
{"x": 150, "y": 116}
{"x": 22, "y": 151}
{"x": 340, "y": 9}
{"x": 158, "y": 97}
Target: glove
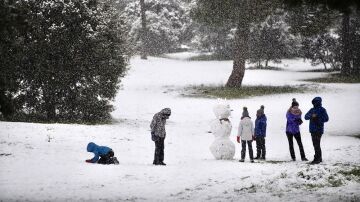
{"x": 238, "y": 139}
{"x": 88, "y": 161}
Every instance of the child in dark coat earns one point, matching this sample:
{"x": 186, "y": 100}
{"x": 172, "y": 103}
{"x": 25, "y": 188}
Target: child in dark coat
{"x": 260, "y": 133}
{"x": 293, "y": 117}
{"x": 158, "y": 134}
{"x": 317, "y": 116}
{"x": 106, "y": 154}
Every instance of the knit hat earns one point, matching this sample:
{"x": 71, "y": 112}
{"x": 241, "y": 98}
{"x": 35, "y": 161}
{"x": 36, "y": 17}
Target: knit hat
{"x": 294, "y": 103}
{"x": 260, "y": 111}
{"x": 245, "y": 113}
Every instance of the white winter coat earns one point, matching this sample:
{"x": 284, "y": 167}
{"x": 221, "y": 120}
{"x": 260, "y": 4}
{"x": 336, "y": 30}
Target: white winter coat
{"x": 246, "y": 129}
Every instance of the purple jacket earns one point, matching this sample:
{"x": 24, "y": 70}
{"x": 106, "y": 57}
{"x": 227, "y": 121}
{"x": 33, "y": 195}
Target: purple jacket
{"x": 293, "y": 122}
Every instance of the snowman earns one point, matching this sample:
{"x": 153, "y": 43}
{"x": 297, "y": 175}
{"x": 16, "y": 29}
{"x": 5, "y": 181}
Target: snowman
{"x": 222, "y": 147}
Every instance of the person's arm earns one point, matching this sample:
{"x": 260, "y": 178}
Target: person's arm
{"x": 240, "y": 130}
{"x": 308, "y": 115}
{"x": 153, "y": 125}
{"x": 96, "y": 158}
{"x": 324, "y": 117}
{"x": 264, "y": 128}
{"x": 252, "y": 131}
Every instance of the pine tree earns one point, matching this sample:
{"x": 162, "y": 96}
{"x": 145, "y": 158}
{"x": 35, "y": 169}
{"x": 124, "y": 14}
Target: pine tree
{"x": 239, "y": 13}
{"x": 270, "y": 40}
{"x": 71, "y": 60}
{"x": 166, "y": 23}
{"x": 346, "y": 9}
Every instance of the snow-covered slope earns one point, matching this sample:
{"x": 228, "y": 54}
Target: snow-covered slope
{"x": 46, "y": 161}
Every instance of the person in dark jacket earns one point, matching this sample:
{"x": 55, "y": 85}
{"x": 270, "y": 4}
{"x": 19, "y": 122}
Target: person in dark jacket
{"x": 158, "y": 134}
{"x": 293, "y": 116}
{"x": 317, "y": 116}
{"x": 105, "y": 154}
{"x": 260, "y": 133}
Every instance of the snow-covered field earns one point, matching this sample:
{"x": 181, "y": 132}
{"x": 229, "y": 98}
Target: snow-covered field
{"x": 45, "y": 162}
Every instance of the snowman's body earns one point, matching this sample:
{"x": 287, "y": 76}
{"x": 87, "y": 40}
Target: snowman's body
{"x": 222, "y": 147}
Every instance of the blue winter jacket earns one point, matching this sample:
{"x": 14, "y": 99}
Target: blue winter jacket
{"x": 97, "y": 150}
{"x": 317, "y": 123}
{"x": 260, "y": 126}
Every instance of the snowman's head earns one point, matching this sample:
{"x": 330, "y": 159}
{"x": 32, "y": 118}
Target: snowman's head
{"x": 222, "y": 111}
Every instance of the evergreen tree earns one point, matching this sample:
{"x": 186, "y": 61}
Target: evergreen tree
{"x": 322, "y": 49}
{"x": 347, "y": 10}
{"x": 71, "y": 60}
{"x": 270, "y": 40}
{"x": 239, "y": 13}
{"x": 166, "y": 22}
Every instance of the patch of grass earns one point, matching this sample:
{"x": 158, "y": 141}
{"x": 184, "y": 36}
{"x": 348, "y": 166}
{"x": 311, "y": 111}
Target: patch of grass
{"x": 336, "y": 78}
{"x": 335, "y": 182}
{"x": 321, "y": 70}
{"x": 354, "y": 172}
{"x": 265, "y": 68}
{"x": 357, "y": 136}
{"x": 314, "y": 186}
{"x": 243, "y": 92}
{"x": 209, "y": 57}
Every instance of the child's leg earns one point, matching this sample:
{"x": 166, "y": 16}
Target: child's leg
{"x": 250, "y": 149}
{"x": 243, "y": 149}
{"x": 258, "y": 147}
{"x": 291, "y": 145}
{"x": 263, "y": 149}
{"x": 301, "y": 148}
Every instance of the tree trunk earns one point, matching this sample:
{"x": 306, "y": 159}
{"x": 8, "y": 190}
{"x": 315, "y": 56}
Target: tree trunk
{"x": 324, "y": 63}
{"x": 345, "y": 34}
{"x": 240, "y": 55}
{"x": 50, "y": 109}
{"x": 266, "y": 63}
{"x": 143, "y": 31}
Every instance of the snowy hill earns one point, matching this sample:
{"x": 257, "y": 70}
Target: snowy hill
{"x": 46, "y": 161}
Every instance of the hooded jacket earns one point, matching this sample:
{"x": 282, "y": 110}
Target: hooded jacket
{"x": 246, "y": 129}
{"x": 260, "y": 126}
{"x": 317, "y": 123}
{"x": 97, "y": 150}
{"x": 158, "y": 123}
{"x": 293, "y": 117}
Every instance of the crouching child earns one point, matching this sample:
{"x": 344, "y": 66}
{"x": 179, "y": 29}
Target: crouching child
{"x": 103, "y": 154}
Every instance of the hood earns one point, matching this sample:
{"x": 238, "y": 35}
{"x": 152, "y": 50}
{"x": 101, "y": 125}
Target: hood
{"x": 166, "y": 112}
{"x": 317, "y": 101}
{"x": 91, "y": 147}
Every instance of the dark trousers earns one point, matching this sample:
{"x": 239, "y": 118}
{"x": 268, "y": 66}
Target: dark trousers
{"x": 291, "y": 145}
{"x": 316, "y": 138}
{"x": 243, "y": 149}
{"x": 260, "y": 147}
{"x": 159, "y": 150}
{"x": 107, "y": 158}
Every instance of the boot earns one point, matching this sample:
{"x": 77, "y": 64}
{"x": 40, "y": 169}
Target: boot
{"x": 115, "y": 161}
{"x": 315, "y": 161}
{"x": 241, "y": 160}
{"x": 304, "y": 159}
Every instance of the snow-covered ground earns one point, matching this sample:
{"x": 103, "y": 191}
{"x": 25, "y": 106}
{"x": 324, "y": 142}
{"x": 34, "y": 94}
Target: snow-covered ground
{"x": 46, "y": 161}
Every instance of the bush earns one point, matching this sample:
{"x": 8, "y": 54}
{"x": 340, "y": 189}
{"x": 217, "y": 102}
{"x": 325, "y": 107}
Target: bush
{"x": 63, "y": 59}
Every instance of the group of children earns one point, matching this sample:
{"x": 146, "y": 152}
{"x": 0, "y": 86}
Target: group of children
{"x": 317, "y": 116}
{"x": 246, "y": 134}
